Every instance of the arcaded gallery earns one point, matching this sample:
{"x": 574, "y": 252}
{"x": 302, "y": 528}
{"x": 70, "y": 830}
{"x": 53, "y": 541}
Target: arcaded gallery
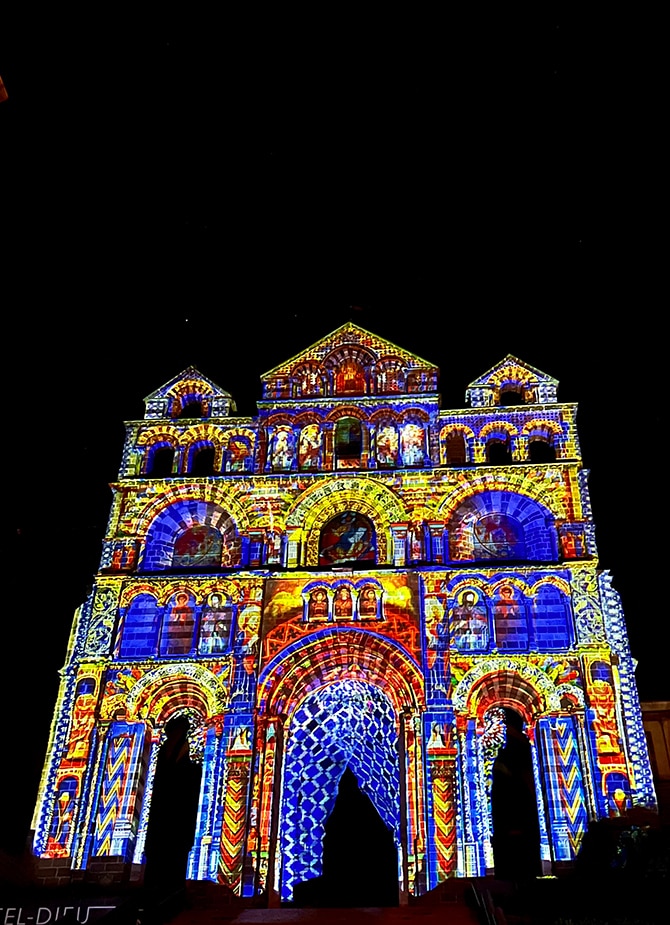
{"x": 354, "y": 584}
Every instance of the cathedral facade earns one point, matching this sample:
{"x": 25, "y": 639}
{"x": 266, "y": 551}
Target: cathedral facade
{"x": 353, "y": 579}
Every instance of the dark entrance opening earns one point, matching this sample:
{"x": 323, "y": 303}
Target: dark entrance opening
{"x": 172, "y": 817}
{"x": 516, "y": 830}
{"x": 360, "y": 860}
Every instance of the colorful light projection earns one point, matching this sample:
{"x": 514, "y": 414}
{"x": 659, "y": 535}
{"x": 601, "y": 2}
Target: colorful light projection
{"x": 354, "y": 579}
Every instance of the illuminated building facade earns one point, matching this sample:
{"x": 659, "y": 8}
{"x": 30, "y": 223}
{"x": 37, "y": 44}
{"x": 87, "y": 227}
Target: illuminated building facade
{"x": 354, "y": 578}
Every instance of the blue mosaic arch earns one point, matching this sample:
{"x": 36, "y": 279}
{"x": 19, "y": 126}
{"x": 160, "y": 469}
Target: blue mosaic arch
{"x": 502, "y": 525}
{"x": 138, "y": 630}
{"x": 346, "y": 724}
{"x": 191, "y": 534}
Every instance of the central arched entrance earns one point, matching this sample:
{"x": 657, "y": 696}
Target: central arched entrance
{"x": 350, "y": 726}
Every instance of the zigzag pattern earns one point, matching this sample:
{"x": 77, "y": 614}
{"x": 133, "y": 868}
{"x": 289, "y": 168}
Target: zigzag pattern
{"x": 232, "y": 834}
{"x": 445, "y": 827}
{"x": 570, "y": 786}
{"x": 111, "y": 791}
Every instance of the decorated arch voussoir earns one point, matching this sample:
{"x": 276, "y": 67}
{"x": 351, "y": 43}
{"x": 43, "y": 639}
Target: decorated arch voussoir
{"x": 498, "y": 427}
{"x": 554, "y": 580}
{"x": 505, "y": 581}
{"x": 159, "y": 693}
{"x": 514, "y": 481}
{"x": 327, "y": 499}
{"x": 347, "y": 411}
{"x": 504, "y": 681}
{"x": 456, "y": 428}
{"x": 163, "y": 433}
{"x": 537, "y": 425}
{"x": 204, "y": 431}
{"x": 225, "y": 500}
{"x": 337, "y": 654}
{"x": 463, "y": 582}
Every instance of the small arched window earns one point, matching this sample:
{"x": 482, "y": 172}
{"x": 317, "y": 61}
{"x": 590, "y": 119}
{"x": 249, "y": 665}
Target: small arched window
{"x": 202, "y": 461}
{"x": 348, "y": 438}
{"x": 551, "y": 618}
{"x": 161, "y": 462}
{"x": 192, "y": 409}
{"x": 541, "y": 451}
{"x": 511, "y": 396}
{"x": 456, "y": 451}
{"x": 498, "y": 452}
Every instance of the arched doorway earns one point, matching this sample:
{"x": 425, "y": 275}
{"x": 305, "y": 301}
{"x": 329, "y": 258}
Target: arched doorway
{"x": 342, "y": 745}
{"x": 174, "y": 803}
{"x": 360, "y": 858}
{"x": 514, "y": 804}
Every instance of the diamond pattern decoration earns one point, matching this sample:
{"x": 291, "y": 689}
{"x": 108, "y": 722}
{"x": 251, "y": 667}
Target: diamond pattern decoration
{"x": 347, "y": 724}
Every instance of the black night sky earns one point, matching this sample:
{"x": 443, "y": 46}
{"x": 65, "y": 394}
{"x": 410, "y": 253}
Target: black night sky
{"x": 224, "y": 190}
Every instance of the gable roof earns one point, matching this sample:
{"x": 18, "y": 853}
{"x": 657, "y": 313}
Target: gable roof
{"x": 514, "y": 375}
{"x": 190, "y": 384}
{"x": 350, "y": 334}
{"x": 189, "y": 376}
{"x": 512, "y": 369}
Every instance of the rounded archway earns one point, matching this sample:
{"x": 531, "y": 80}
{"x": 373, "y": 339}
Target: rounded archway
{"x": 514, "y": 805}
{"x": 349, "y": 726}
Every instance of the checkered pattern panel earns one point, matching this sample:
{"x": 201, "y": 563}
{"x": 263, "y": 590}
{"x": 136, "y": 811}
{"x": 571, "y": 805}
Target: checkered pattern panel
{"x": 349, "y": 723}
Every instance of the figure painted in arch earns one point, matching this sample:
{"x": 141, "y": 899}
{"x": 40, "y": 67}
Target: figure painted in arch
{"x": 273, "y": 547}
{"x": 411, "y": 445}
{"x": 367, "y": 603}
{"x": 437, "y": 647}
{"x": 387, "y": 445}
{"x": 178, "y": 628}
{"x": 215, "y": 625}
{"x": 282, "y": 450}
{"x": 350, "y": 378}
{"x": 317, "y": 608}
{"x": 469, "y": 621}
{"x": 239, "y": 455}
{"x": 199, "y": 545}
{"x": 343, "y": 605}
{"x": 603, "y": 703}
{"x": 347, "y": 536}
{"x": 309, "y": 447}
{"x": 499, "y": 536}
{"x": 416, "y": 542}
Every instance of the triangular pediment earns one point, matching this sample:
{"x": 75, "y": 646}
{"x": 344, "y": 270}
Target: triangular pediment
{"x": 350, "y": 361}
{"x": 512, "y": 381}
{"x": 185, "y": 394}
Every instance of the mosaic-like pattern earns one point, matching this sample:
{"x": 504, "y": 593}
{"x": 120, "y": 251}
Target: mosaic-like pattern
{"x": 355, "y": 577}
{"x": 349, "y": 724}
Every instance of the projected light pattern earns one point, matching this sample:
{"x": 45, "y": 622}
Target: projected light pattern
{"x": 348, "y": 724}
{"x": 353, "y": 578}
